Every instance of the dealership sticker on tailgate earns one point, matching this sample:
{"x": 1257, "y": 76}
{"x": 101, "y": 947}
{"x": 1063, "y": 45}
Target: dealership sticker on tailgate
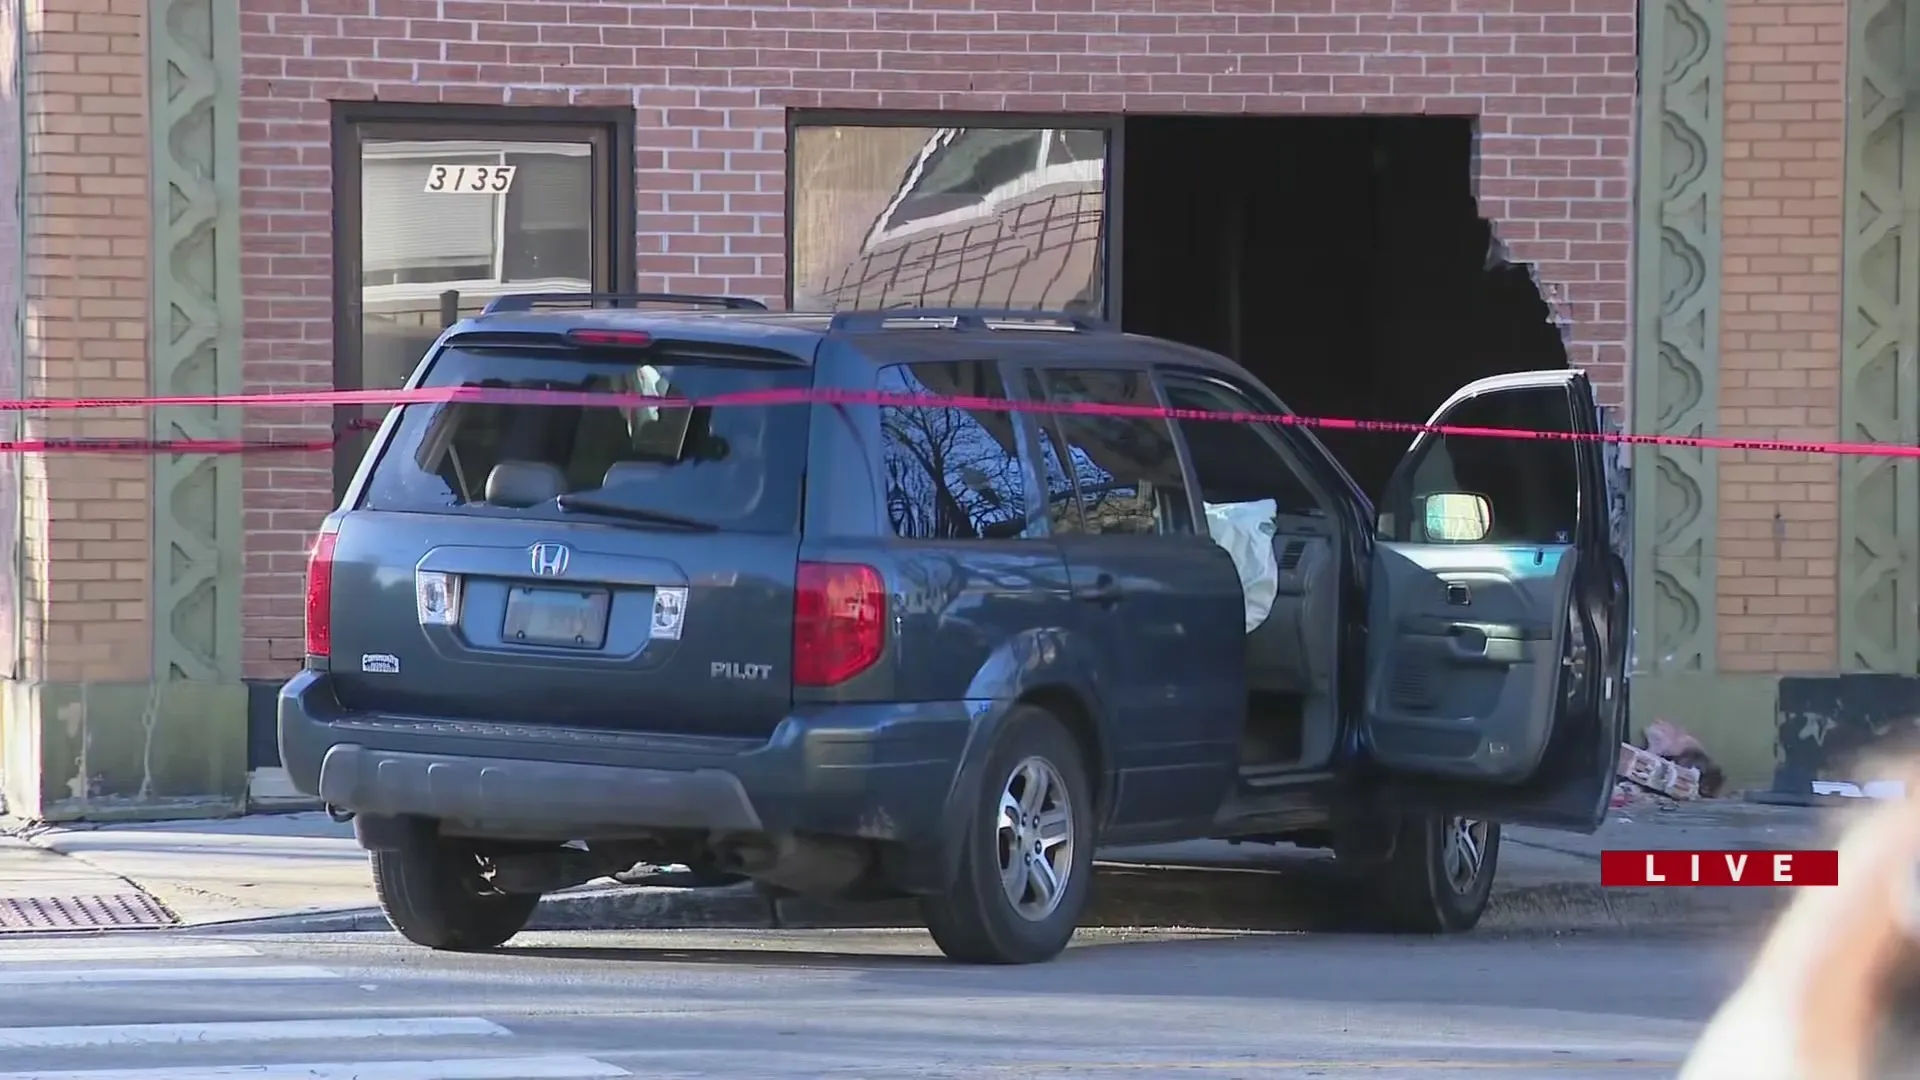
{"x": 379, "y": 663}
{"x": 669, "y": 611}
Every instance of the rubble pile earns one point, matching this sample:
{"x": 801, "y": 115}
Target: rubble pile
{"x": 1668, "y": 766}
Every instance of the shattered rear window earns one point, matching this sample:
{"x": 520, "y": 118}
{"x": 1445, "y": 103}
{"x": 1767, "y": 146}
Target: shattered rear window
{"x": 738, "y": 467}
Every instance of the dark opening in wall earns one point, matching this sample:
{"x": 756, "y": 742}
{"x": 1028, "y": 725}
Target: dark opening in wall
{"x": 1342, "y": 260}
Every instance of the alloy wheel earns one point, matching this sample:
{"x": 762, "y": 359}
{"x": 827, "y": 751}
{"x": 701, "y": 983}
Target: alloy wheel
{"x": 1033, "y": 833}
{"x": 1463, "y": 850}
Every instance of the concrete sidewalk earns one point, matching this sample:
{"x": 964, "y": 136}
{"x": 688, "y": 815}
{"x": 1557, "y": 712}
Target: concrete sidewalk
{"x": 304, "y": 871}
{"x": 268, "y": 866}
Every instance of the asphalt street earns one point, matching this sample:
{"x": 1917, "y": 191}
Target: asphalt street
{"x": 557, "y": 1006}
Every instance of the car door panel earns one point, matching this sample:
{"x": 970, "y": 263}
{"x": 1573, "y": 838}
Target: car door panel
{"x": 1166, "y": 611}
{"x": 1163, "y": 602}
{"x": 1291, "y": 654}
{"x": 1464, "y": 685}
{"x": 1487, "y": 688}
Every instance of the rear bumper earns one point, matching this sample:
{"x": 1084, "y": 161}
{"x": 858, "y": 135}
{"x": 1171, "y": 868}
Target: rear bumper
{"x": 878, "y": 772}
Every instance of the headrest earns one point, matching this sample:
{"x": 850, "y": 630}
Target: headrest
{"x": 626, "y": 472}
{"x": 525, "y": 483}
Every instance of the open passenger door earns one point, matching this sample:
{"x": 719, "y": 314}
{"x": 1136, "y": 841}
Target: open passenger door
{"x": 1496, "y": 611}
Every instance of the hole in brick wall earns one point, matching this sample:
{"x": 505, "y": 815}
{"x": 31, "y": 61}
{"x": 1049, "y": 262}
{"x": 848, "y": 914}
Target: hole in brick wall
{"x": 1343, "y": 260}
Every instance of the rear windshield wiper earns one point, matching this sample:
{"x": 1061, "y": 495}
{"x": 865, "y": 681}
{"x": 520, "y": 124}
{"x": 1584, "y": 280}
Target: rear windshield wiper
{"x": 590, "y": 505}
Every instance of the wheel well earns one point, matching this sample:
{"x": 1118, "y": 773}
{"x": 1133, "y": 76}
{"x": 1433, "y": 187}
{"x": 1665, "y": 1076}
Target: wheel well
{"x": 1066, "y": 705}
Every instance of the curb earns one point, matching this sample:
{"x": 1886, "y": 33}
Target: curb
{"x": 1257, "y": 902}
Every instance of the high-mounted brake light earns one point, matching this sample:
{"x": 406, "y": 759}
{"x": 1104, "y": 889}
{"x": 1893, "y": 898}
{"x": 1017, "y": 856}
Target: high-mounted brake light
{"x": 839, "y": 622}
{"x": 320, "y": 592}
{"x": 617, "y": 339}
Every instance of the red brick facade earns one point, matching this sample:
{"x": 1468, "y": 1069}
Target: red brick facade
{"x": 1551, "y": 81}
{"x": 1780, "y": 327}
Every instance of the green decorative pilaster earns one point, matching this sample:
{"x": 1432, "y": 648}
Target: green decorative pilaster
{"x": 194, "y": 107}
{"x": 169, "y": 741}
{"x": 1879, "y": 391}
{"x": 1676, "y": 351}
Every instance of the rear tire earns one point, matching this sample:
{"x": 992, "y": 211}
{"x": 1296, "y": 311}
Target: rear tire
{"x": 1026, "y": 856}
{"x": 433, "y": 893}
{"x": 1434, "y": 882}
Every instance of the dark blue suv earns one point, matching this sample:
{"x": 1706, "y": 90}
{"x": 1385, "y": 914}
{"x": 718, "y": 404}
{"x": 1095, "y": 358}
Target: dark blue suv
{"x": 939, "y": 650}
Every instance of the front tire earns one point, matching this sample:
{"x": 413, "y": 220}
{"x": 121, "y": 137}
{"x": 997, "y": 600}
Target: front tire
{"x": 1026, "y": 857}
{"x": 434, "y": 893}
{"x": 1438, "y": 879}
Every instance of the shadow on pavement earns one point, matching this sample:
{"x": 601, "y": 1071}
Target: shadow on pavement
{"x": 907, "y": 951}
{"x": 1138, "y": 897}
{"x": 1287, "y": 971}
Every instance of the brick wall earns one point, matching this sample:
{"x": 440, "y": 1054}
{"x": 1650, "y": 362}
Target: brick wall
{"x": 12, "y": 297}
{"x": 1785, "y": 143}
{"x": 86, "y": 528}
{"x": 1551, "y": 80}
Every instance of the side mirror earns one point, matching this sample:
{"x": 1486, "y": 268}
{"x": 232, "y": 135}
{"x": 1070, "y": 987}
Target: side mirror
{"x": 1455, "y": 517}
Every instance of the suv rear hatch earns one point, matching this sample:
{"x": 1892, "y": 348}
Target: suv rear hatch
{"x": 622, "y": 566}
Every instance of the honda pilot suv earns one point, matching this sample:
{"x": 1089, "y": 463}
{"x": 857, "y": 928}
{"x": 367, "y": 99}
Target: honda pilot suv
{"x": 932, "y": 604}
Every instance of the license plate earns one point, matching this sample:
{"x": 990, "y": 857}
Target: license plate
{"x": 562, "y": 618}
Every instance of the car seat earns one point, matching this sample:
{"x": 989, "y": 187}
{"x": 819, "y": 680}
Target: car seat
{"x": 524, "y": 483}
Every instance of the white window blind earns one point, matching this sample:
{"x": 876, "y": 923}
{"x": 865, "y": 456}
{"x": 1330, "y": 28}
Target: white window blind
{"x": 404, "y": 227}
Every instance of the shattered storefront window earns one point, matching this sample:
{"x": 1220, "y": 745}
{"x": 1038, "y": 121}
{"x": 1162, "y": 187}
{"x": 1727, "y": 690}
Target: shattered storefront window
{"x": 949, "y": 217}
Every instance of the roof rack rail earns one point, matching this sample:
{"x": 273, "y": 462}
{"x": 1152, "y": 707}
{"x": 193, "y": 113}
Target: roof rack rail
{"x": 529, "y": 301}
{"x": 962, "y": 318}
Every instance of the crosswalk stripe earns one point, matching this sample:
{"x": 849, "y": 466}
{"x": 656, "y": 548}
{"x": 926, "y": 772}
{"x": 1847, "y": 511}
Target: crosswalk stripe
{"x": 553, "y": 1067}
{"x": 48, "y": 953}
{"x": 94, "y": 1035}
{"x": 238, "y": 973}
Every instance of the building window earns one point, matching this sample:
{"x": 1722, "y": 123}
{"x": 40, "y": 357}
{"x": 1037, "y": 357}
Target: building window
{"x": 1002, "y": 217}
{"x": 440, "y": 209}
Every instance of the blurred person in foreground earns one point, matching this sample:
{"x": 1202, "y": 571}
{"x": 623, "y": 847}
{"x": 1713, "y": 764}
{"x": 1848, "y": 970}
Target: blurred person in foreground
{"x": 1830, "y": 992}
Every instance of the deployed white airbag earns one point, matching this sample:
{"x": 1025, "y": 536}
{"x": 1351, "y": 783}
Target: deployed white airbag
{"x": 1245, "y": 530}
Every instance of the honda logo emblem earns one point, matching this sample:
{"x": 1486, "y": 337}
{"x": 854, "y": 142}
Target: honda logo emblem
{"x": 550, "y": 560}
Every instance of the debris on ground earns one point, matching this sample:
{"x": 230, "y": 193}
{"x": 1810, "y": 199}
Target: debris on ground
{"x": 1872, "y": 789}
{"x": 1657, "y": 774}
{"x": 1668, "y": 764}
{"x": 1628, "y": 795}
{"x": 1674, "y": 743}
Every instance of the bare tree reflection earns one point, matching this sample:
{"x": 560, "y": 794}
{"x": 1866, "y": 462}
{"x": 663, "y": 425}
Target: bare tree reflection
{"x": 948, "y": 475}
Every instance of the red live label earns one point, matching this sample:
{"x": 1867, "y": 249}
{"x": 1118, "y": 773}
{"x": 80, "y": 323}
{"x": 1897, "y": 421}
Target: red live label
{"x": 1645, "y": 868}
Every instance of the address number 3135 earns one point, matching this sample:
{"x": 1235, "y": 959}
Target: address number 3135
{"x": 469, "y": 179}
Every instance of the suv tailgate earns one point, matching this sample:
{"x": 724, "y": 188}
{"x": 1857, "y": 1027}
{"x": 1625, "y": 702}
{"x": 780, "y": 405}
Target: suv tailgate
{"x": 661, "y": 600}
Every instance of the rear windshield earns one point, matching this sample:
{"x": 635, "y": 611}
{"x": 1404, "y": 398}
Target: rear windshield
{"x": 735, "y": 467}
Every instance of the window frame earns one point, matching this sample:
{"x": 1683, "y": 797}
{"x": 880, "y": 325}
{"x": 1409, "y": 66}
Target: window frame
{"x": 1396, "y": 498}
{"x": 609, "y": 131}
{"x": 1276, "y": 439}
{"x": 1032, "y": 420}
{"x": 1035, "y": 429}
{"x": 1111, "y": 124}
{"x": 1342, "y": 491}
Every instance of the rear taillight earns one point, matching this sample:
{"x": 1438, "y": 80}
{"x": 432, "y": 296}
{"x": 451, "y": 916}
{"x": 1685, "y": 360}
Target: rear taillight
{"x": 839, "y": 622}
{"x": 320, "y": 593}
